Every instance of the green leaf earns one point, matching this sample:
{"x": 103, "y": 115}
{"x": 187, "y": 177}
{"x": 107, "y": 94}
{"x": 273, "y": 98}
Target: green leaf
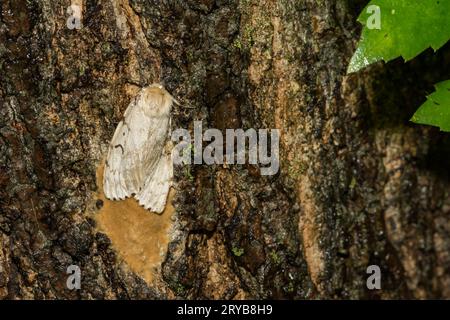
{"x": 436, "y": 110}
{"x": 407, "y": 28}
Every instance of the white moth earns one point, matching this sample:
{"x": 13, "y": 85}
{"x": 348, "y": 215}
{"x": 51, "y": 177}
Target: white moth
{"x": 139, "y": 164}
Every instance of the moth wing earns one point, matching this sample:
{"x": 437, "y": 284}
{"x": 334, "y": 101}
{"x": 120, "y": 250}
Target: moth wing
{"x": 134, "y": 151}
{"x": 144, "y": 147}
{"x": 113, "y": 183}
{"x": 154, "y": 194}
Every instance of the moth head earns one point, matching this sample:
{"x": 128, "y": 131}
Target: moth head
{"x": 158, "y": 86}
{"x": 158, "y": 99}
{"x": 161, "y": 87}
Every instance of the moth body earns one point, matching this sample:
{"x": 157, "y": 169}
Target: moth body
{"x": 138, "y": 163}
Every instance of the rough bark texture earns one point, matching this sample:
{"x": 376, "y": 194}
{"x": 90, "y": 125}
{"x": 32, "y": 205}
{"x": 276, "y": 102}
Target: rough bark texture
{"x": 357, "y": 185}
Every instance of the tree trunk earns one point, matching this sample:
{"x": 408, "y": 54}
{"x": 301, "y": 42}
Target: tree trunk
{"x": 358, "y": 185}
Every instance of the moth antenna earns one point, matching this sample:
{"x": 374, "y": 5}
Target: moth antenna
{"x": 176, "y": 102}
{"x": 180, "y": 105}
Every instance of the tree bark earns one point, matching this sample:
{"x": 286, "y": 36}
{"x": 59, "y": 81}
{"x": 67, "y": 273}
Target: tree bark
{"x": 358, "y": 185}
